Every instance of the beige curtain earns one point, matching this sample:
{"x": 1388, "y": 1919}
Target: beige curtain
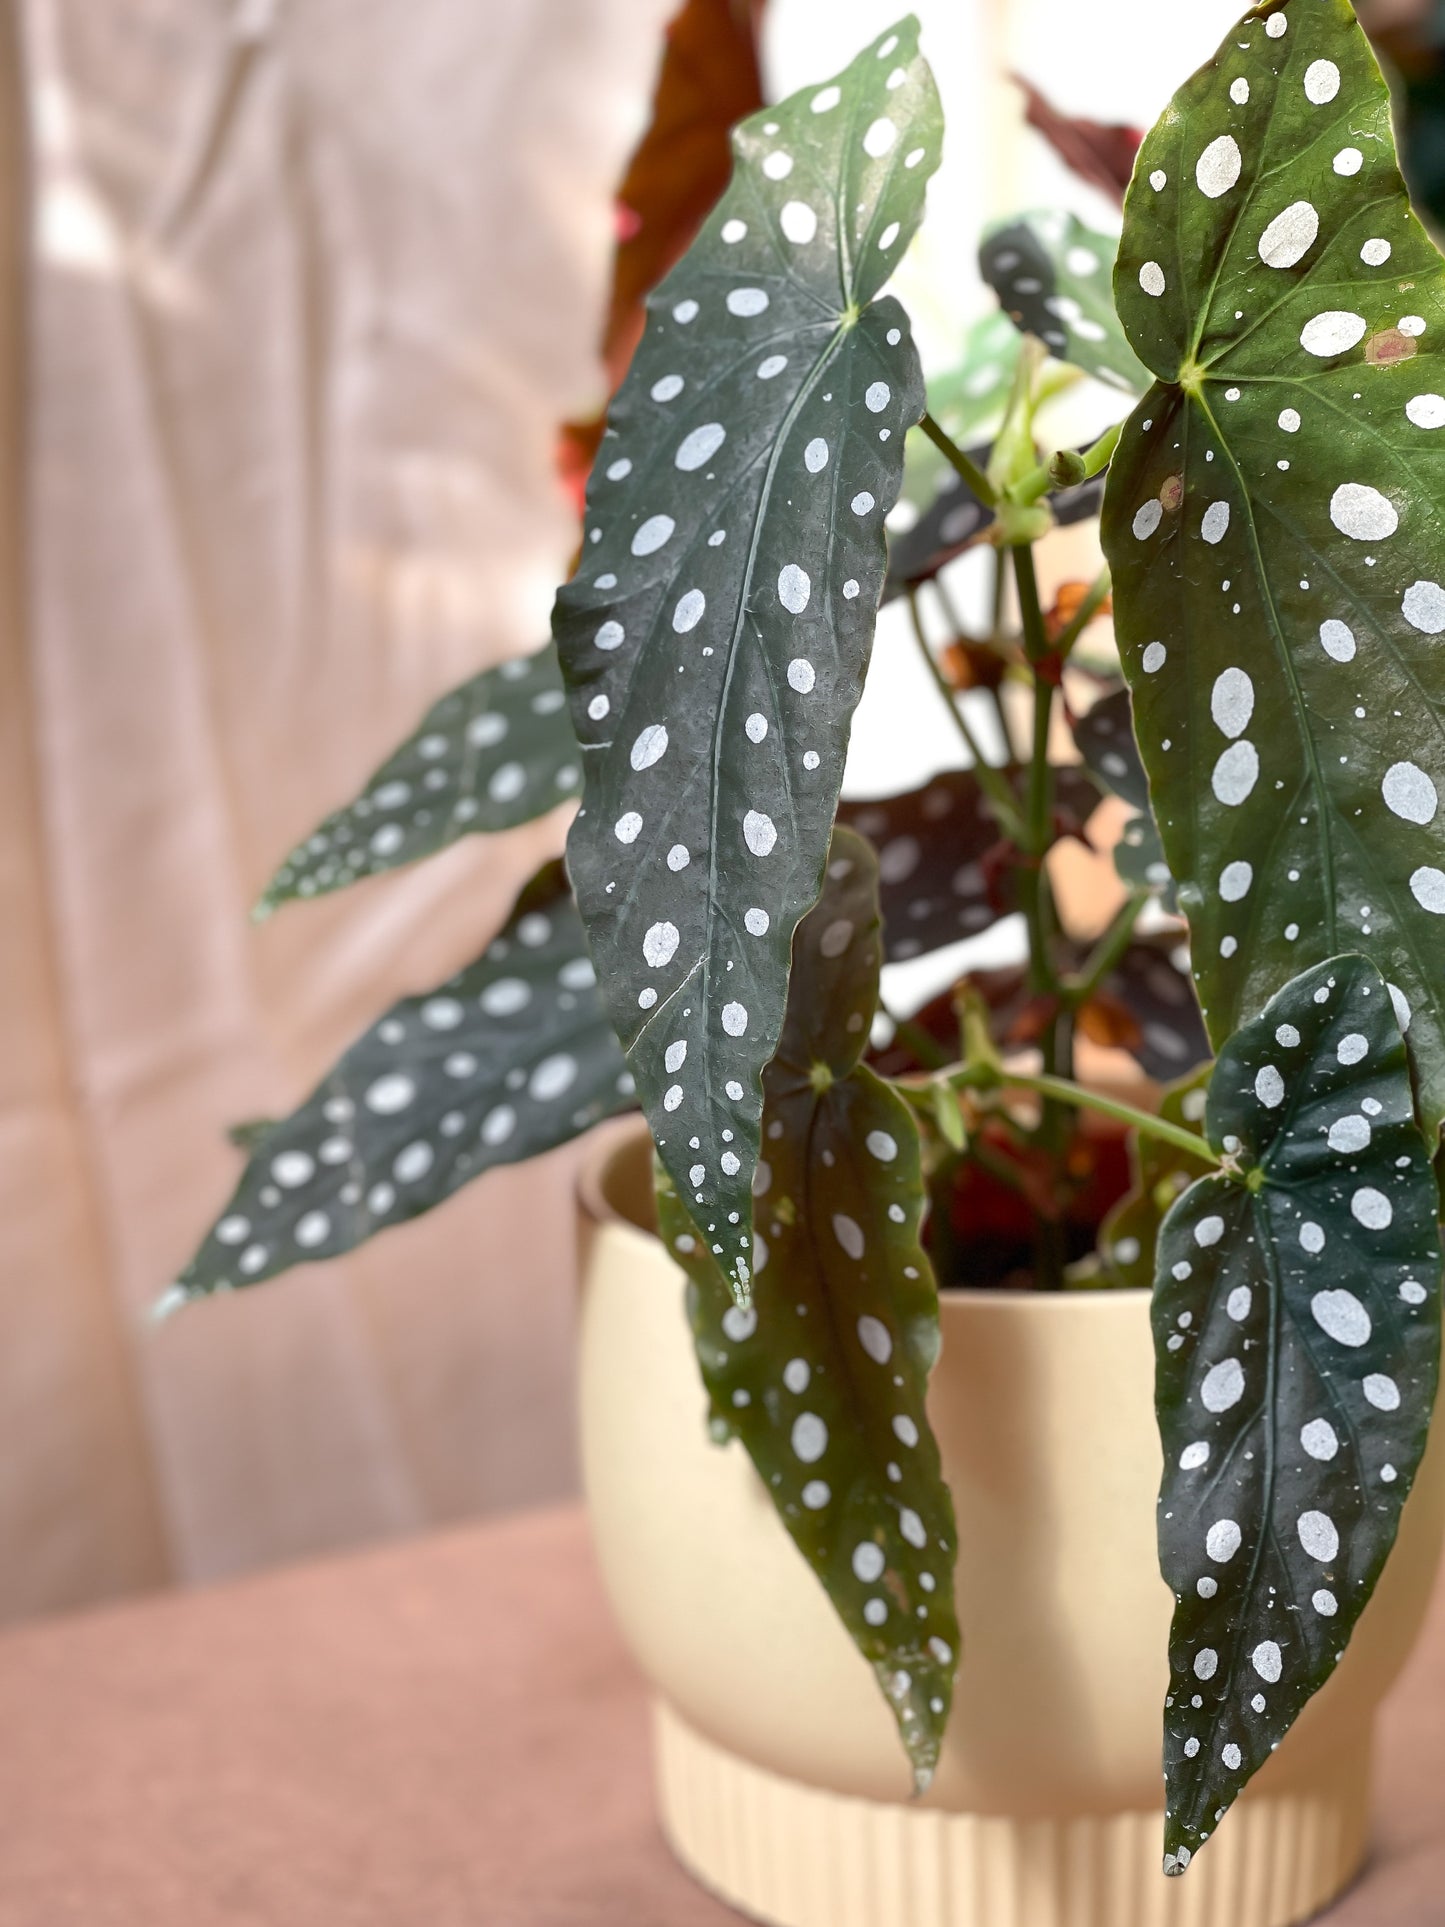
{"x": 294, "y": 295}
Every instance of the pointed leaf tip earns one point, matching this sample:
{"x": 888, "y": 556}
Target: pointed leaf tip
{"x": 825, "y": 1379}
{"x": 511, "y": 1057}
{"x": 495, "y": 753}
{"x": 1297, "y": 1336}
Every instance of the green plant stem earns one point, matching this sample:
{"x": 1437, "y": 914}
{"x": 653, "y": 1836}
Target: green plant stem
{"x": 1098, "y": 458}
{"x": 1090, "y": 606}
{"x": 932, "y": 1055}
{"x": 1039, "y": 812}
{"x": 1036, "y": 900}
{"x": 1039, "y": 482}
{"x": 1107, "y": 952}
{"x": 995, "y": 635}
{"x": 1000, "y": 594}
{"x": 1074, "y": 1096}
{"x": 997, "y": 1168}
{"x": 993, "y": 783}
{"x": 982, "y": 487}
{"x": 942, "y": 1242}
{"x": 1032, "y": 488}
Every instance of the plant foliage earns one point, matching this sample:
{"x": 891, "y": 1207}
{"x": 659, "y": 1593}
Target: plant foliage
{"x": 824, "y": 1376}
{"x": 1053, "y": 277}
{"x": 497, "y": 752}
{"x": 1274, "y": 522}
{"x": 509, "y": 1058}
{"x": 1297, "y": 1324}
{"x": 715, "y": 637}
{"x": 709, "y": 79}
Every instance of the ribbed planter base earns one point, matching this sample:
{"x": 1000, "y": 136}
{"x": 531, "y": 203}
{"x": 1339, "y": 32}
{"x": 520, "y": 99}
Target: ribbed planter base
{"x": 796, "y": 1856}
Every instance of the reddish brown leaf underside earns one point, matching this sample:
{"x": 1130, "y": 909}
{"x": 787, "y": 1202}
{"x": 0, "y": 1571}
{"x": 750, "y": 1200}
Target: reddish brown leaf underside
{"x": 1102, "y": 155}
{"x": 709, "y": 80}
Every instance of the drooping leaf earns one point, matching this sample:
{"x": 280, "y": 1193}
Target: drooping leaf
{"x": 715, "y": 638}
{"x": 946, "y": 871}
{"x": 967, "y": 402}
{"x": 1274, "y": 522}
{"x": 824, "y": 1376}
{"x": 494, "y": 753}
{"x": 1297, "y": 1332}
{"x": 1129, "y": 1236}
{"x": 509, "y": 1058}
{"x": 708, "y": 81}
{"x": 1053, "y": 277}
{"x": 1099, "y": 153}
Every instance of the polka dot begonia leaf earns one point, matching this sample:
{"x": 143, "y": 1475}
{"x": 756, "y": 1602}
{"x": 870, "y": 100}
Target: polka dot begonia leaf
{"x": 1297, "y": 1332}
{"x": 1141, "y": 863}
{"x": 824, "y": 1377}
{"x": 715, "y": 637}
{"x": 944, "y": 867}
{"x": 494, "y": 753}
{"x": 1105, "y": 736}
{"x": 953, "y": 521}
{"x": 508, "y": 1059}
{"x": 1162, "y": 1174}
{"x": 1275, "y": 522}
{"x": 1151, "y": 981}
{"x": 1053, "y": 277}
{"x": 967, "y": 401}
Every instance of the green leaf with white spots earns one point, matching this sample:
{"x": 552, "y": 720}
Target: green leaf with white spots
{"x": 947, "y": 871}
{"x": 824, "y": 1376}
{"x": 1105, "y": 736}
{"x": 494, "y": 753}
{"x": 956, "y": 520}
{"x": 1162, "y": 1174}
{"x": 509, "y": 1058}
{"x": 1140, "y": 861}
{"x": 1297, "y": 1333}
{"x": 1151, "y": 980}
{"x": 967, "y": 402}
{"x": 716, "y": 635}
{"x": 1053, "y": 277}
{"x": 1275, "y": 519}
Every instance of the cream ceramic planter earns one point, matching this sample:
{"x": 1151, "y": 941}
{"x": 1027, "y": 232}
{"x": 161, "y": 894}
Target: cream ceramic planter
{"x": 781, "y": 1781}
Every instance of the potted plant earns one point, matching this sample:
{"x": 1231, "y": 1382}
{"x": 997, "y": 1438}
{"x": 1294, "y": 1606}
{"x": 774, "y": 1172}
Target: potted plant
{"x": 712, "y": 953}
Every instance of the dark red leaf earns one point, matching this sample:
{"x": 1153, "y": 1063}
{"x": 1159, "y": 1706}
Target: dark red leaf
{"x": 709, "y": 80}
{"x": 1100, "y": 154}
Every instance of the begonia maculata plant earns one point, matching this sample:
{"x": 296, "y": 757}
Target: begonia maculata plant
{"x": 1273, "y": 719}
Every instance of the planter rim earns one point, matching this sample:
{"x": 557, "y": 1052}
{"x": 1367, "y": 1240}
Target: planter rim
{"x": 599, "y": 1210}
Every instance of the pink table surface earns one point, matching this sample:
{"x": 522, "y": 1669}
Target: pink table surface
{"x": 442, "y": 1733}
